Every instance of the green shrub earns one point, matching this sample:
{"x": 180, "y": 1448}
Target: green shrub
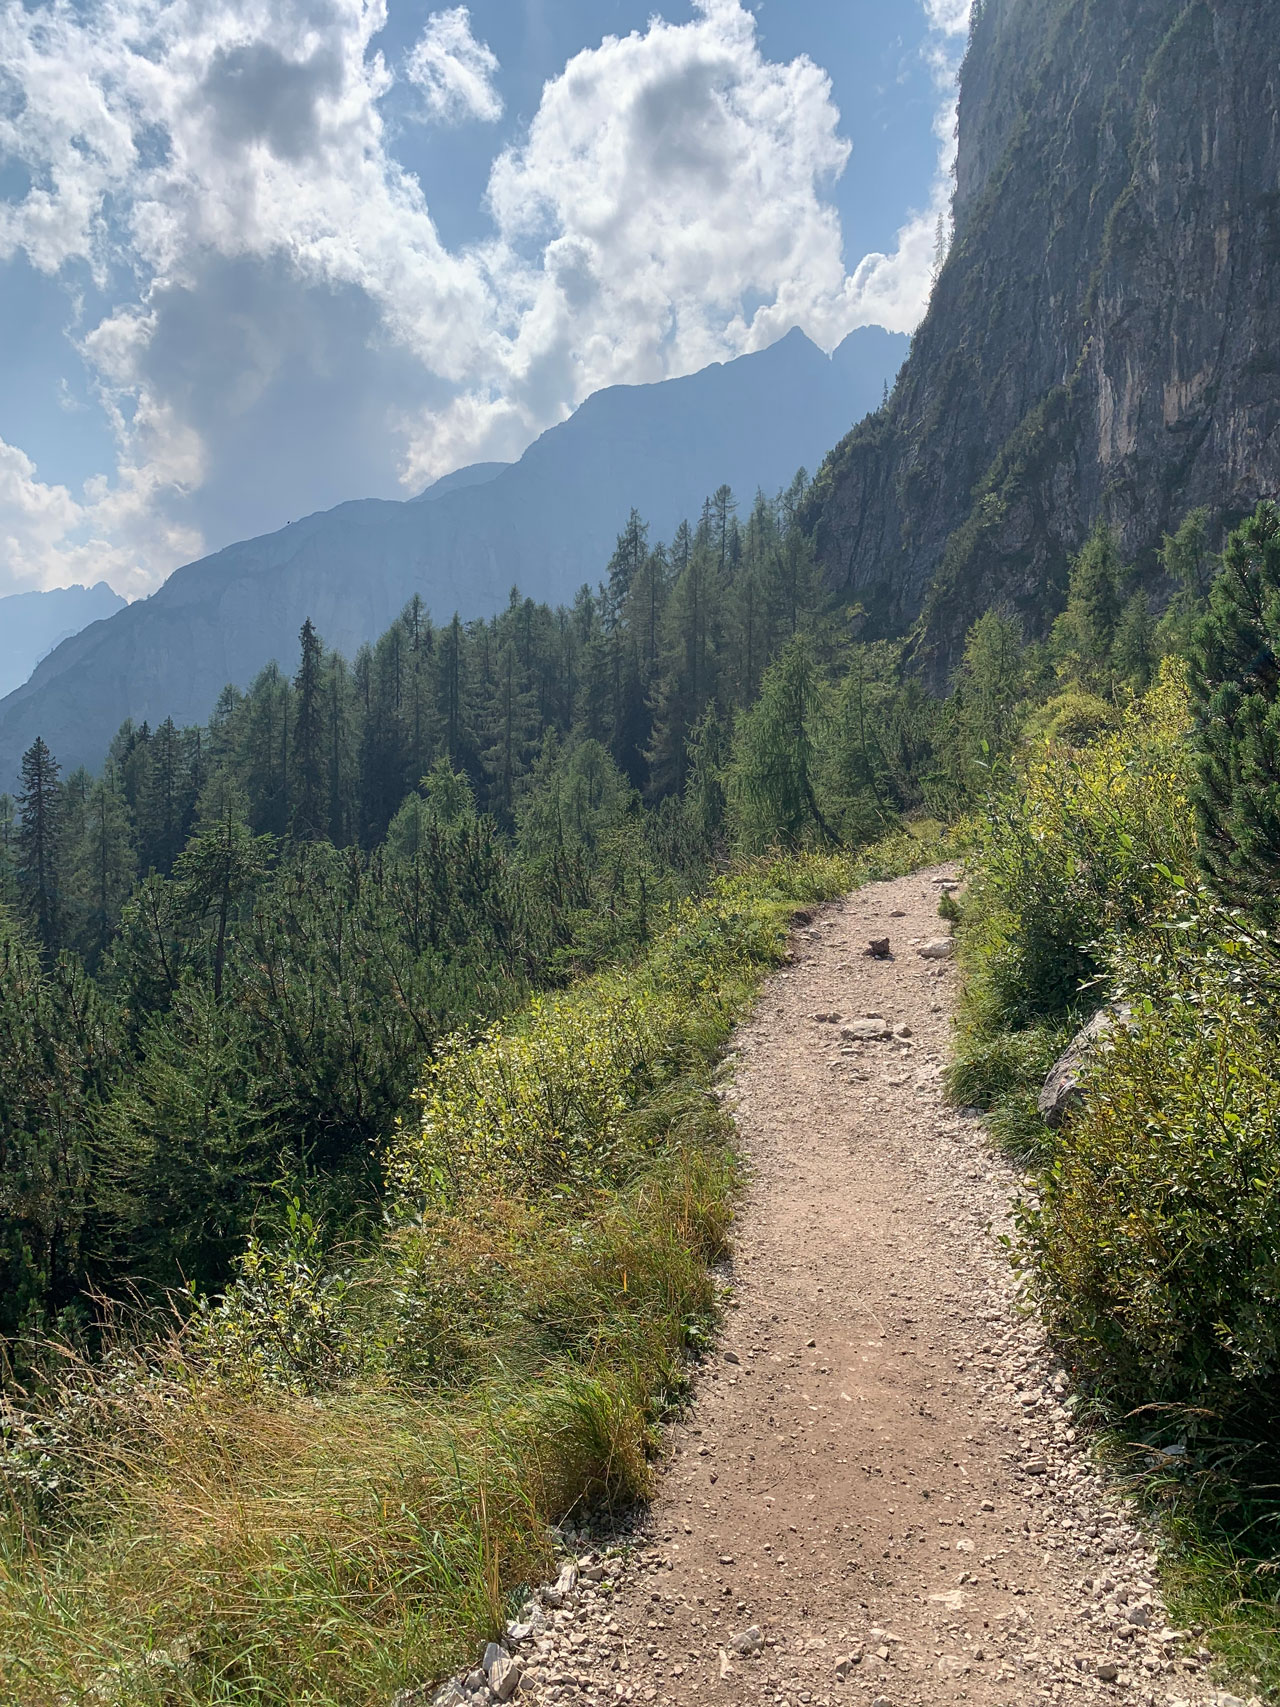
{"x": 334, "y": 1482}
{"x": 1157, "y": 1234}
{"x": 1073, "y": 718}
{"x": 1070, "y": 856}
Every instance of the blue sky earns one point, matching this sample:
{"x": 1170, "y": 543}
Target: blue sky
{"x": 256, "y": 259}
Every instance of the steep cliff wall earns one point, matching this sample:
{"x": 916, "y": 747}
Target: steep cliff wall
{"x": 1105, "y": 337}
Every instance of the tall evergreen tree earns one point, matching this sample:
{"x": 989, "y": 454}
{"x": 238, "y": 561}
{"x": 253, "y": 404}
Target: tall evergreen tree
{"x": 688, "y": 676}
{"x": 1235, "y": 690}
{"x": 310, "y": 805}
{"x": 166, "y": 793}
{"x": 772, "y": 775}
{"x": 105, "y": 867}
{"x": 1083, "y": 636}
{"x": 625, "y": 564}
{"x": 219, "y": 865}
{"x": 40, "y": 843}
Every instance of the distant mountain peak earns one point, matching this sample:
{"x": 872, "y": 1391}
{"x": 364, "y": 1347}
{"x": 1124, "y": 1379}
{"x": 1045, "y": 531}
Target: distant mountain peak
{"x": 546, "y": 523}
{"x": 33, "y": 623}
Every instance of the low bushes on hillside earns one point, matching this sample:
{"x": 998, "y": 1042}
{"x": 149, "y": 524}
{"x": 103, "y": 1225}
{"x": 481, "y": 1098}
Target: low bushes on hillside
{"x": 333, "y": 1480}
{"x": 1156, "y": 1236}
{"x": 1081, "y": 850}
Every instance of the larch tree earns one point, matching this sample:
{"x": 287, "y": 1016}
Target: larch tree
{"x": 40, "y": 849}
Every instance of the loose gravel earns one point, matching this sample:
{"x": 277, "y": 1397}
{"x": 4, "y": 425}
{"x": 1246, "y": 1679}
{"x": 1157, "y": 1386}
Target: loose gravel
{"x": 882, "y": 1494}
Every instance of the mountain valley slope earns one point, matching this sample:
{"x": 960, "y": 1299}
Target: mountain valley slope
{"x": 546, "y": 524}
{"x": 32, "y": 623}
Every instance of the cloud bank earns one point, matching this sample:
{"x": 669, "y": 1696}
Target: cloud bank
{"x": 220, "y": 174}
{"x": 454, "y": 71}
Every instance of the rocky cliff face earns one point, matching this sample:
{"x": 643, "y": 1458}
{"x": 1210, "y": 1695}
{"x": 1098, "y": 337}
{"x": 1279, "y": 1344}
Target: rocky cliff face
{"x": 1104, "y": 340}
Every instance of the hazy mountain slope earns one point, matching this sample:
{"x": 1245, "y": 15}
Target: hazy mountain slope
{"x": 1105, "y": 336}
{"x": 31, "y": 624}
{"x": 477, "y": 474}
{"x": 546, "y": 523}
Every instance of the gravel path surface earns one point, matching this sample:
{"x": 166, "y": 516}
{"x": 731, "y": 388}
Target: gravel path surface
{"x": 878, "y": 1496}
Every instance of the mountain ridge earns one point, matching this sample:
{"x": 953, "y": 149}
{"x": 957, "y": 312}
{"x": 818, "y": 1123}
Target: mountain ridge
{"x": 547, "y": 522}
{"x": 33, "y": 623}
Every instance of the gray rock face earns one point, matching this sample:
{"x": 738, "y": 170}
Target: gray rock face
{"x": 1104, "y": 339}
{"x": 1063, "y": 1089}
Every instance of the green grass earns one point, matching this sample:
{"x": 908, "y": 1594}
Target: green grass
{"x": 1149, "y": 1228}
{"x": 337, "y": 1480}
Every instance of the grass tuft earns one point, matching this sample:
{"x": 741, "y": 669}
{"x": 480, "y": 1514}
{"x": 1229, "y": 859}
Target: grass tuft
{"x": 336, "y": 1480}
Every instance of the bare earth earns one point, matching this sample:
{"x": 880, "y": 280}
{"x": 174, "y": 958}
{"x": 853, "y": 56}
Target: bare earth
{"x": 880, "y": 1474}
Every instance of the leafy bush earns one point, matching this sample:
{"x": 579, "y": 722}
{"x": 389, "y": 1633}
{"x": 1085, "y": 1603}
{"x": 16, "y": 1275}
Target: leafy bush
{"x": 1077, "y": 851}
{"x": 334, "y": 1483}
{"x": 1156, "y": 1236}
{"x": 1073, "y": 718}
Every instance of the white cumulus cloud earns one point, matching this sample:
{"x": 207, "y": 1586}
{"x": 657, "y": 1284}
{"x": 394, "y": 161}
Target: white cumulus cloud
{"x": 668, "y": 205}
{"x": 454, "y": 71}
{"x": 51, "y": 538}
{"x": 666, "y": 209}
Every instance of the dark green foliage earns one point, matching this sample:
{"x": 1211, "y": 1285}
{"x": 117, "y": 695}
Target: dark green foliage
{"x": 41, "y": 809}
{"x": 1155, "y": 1235}
{"x": 1236, "y": 700}
{"x": 311, "y": 803}
{"x": 772, "y": 777}
{"x": 1186, "y": 560}
{"x": 59, "y": 1054}
{"x": 285, "y": 912}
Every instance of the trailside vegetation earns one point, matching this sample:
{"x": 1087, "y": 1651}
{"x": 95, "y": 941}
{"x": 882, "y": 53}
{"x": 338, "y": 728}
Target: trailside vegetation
{"x": 1133, "y": 869}
{"x": 331, "y": 1481}
{"x": 362, "y": 1171}
{"x": 231, "y": 951}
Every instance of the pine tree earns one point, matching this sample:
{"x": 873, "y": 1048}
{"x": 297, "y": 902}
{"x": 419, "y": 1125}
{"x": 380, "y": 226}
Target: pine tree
{"x": 453, "y": 698}
{"x": 40, "y": 843}
{"x": 263, "y": 760}
{"x": 511, "y": 733}
{"x": 341, "y": 745}
{"x": 705, "y": 799}
{"x": 105, "y": 864}
{"x": 723, "y": 506}
{"x": 222, "y": 861}
{"x": 310, "y": 806}
{"x": 1187, "y": 561}
{"x": 8, "y": 849}
{"x": 418, "y": 717}
{"x": 772, "y": 773}
{"x": 752, "y": 617}
{"x": 689, "y": 672}
{"x": 626, "y": 563}
{"x": 988, "y": 706}
{"x": 166, "y": 793}
{"x": 1133, "y": 652}
{"x": 383, "y": 750}
{"x": 1083, "y": 636}
{"x": 1235, "y": 689}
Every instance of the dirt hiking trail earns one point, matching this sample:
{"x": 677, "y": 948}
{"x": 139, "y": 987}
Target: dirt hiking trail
{"x": 877, "y": 1496}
